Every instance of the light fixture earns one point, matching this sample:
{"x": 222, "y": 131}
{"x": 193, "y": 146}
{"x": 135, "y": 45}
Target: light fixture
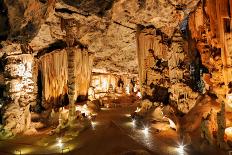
{"x": 128, "y": 89}
{"x": 137, "y": 109}
{"x": 229, "y": 96}
{"x": 133, "y": 122}
{"x": 93, "y": 125}
{"x": 180, "y": 149}
{"x": 60, "y": 144}
{"x": 139, "y": 94}
{"x": 145, "y": 130}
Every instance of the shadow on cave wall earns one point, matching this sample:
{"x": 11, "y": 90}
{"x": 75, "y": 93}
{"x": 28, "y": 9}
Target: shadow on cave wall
{"x": 159, "y": 94}
{"x": 4, "y": 25}
{"x": 97, "y": 7}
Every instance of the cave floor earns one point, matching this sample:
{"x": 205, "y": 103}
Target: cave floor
{"x": 111, "y": 134}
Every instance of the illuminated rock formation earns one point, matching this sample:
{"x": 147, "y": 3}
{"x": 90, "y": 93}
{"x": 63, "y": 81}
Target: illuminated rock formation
{"x": 180, "y": 50}
{"x": 20, "y": 75}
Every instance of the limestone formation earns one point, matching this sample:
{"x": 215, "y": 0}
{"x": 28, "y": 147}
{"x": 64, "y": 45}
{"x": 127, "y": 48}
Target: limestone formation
{"x": 54, "y": 55}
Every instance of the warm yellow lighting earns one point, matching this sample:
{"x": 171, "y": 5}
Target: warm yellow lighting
{"x": 128, "y": 89}
{"x": 138, "y": 109}
{"x": 22, "y": 151}
{"x": 18, "y": 87}
{"x": 83, "y": 109}
{"x": 145, "y": 130}
{"x": 228, "y": 131}
{"x": 180, "y": 149}
{"x": 171, "y": 123}
{"x": 104, "y": 85}
{"x": 139, "y": 94}
{"x": 135, "y": 88}
{"x": 60, "y": 144}
{"x": 229, "y": 96}
{"x": 93, "y": 124}
{"x": 133, "y": 122}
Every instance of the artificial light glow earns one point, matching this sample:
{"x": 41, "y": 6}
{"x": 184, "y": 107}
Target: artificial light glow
{"x": 171, "y": 123}
{"x": 60, "y": 143}
{"x": 23, "y": 150}
{"x": 138, "y": 109}
{"x": 180, "y": 149}
{"x": 135, "y": 88}
{"x": 18, "y": 87}
{"x": 104, "y": 85}
{"x": 83, "y": 109}
{"x": 139, "y": 94}
{"x": 145, "y": 130}
{"x": 228, "y": 131}
{"x": 128, "y": 89}
{"x": 133, "y": 122}
{"x": 229, "y": 96}
{"x": 93, "y": 124}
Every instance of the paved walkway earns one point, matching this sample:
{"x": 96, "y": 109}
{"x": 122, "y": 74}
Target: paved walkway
{"x": 112, "y": 133}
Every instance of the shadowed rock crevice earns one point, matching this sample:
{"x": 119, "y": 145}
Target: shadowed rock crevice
{"x": 4, "y": 25}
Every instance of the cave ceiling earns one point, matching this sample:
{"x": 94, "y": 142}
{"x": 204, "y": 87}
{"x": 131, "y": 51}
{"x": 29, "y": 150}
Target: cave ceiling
{"x": 107, "y": 27}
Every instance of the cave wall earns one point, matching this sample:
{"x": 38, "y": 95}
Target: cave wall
{"x": 101, "y": 82}
{"x": 164, "y": 70}
{"x": 21, "y": 90}
{"x": 20, "y": 76}
{"x": 108, "y": 82}
{"x": 24, "y": 18}
{"x": 210, "y": 30}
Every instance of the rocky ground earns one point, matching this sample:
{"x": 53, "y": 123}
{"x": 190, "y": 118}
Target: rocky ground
{"x": 112, "y": 132}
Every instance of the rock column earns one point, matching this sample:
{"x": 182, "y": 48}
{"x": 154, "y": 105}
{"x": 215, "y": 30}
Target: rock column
{"x": 20, "y": 89}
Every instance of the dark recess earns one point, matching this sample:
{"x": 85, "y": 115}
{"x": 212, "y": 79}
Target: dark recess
{"x": 65, "y": 10}
{"x": 59, "y": 44}
{"x": 4, "y": 24}
{"x": 97, "y": 7}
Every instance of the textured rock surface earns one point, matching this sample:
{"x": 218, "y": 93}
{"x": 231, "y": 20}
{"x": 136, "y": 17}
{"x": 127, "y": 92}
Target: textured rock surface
{"x": 20, "y": 88}
{"x": 183, "y": 50}
{"x": 210, "y": 27}
{"x": 108, "y": 28}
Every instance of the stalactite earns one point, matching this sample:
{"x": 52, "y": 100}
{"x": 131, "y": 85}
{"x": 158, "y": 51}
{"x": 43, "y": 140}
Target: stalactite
{"x": 55, "y": 71}
{"x": 53, "y": 67}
